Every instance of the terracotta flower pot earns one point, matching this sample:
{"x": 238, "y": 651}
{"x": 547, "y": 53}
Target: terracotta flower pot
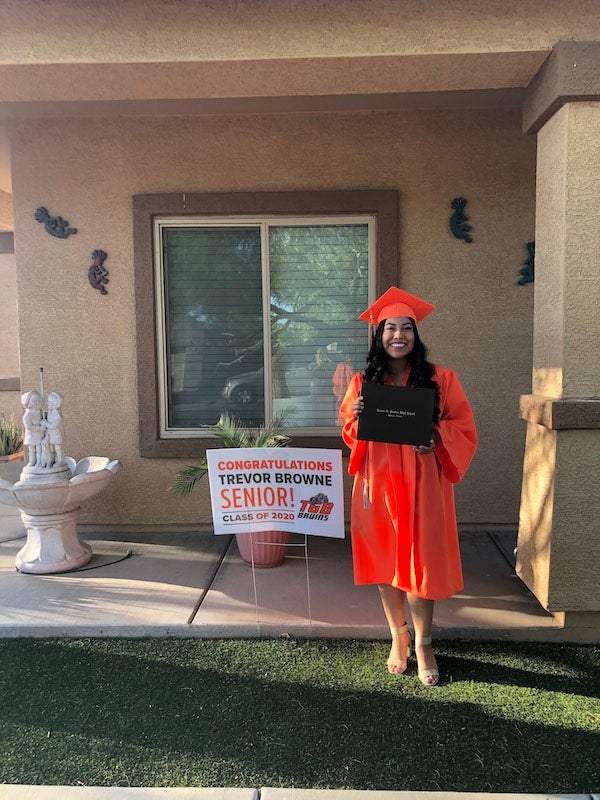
{"x": 12, "y": 457}
{"x": 266, "y": 548}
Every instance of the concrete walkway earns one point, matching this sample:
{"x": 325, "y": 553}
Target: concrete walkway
{"x": 195, "y": 584}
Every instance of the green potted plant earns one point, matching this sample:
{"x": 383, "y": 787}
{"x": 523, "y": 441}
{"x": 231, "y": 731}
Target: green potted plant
{"x": 11, "y": 439}
{"x": 265, "y": 548}
{"x": 11, "y": 447}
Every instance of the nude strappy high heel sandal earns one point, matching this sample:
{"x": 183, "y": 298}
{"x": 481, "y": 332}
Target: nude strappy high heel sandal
{"x": 428, "y": 677}
{"x": 400, "y": 665}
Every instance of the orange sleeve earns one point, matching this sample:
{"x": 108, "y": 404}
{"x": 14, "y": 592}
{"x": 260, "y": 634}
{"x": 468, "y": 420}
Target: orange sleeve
{"x": 456, "y": 429}
{"x": 341, "y": 378}
{"x": 358, "y": 448}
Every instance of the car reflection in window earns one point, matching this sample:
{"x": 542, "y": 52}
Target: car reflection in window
{"x": 245, "y": 388}
{"x": 308, "y": 397}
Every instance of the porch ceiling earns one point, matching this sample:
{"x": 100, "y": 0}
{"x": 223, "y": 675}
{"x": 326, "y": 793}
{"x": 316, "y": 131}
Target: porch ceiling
{"x": 266, "y": 85}
{"x": 261, "y": 86}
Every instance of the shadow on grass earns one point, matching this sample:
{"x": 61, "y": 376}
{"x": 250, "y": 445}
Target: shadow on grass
{"x": 548, "y": 667}
{"x": 282, "y": 713}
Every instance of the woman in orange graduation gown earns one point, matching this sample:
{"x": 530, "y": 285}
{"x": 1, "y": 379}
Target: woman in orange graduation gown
{"x": 404, "y": 535}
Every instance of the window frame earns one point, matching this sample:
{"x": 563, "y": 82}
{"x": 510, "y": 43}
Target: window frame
{"x": 147, "y": 208}
{"x": 262, "y": 225}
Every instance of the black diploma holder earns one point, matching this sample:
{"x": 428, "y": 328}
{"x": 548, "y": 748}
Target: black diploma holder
{"x": 396, "y": 414}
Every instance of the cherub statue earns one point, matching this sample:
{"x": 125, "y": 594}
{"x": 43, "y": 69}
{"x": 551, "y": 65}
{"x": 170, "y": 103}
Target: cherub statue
{"x": 32, "y": 422}
{"x": 55, "y": 435}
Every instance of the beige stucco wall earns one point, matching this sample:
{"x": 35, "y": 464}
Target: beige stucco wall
{"x": 87, "y": 171}
{"x": 9, "y": 340}
{"x": 567, "y": 325}
{"x": 147, "y": 30}
{"x": 10, "y": 403}
{"x": 536, "y": 512}
{"x": 575, "y": 553}
{"x": 548, "y": 343}
{"x": 581, "y": 368}
{"x": 6, "y": 211}
{"x": 9, "y": 349}
{"x": 559, "y": 547}
{"x": 5, "y": 178}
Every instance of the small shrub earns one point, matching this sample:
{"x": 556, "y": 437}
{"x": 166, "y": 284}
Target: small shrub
{"x": 11, "y": 436}
{"x": 232, "y": 433}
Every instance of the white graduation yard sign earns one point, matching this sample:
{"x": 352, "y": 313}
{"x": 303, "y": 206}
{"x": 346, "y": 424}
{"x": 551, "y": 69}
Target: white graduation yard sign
{"x": 293, "y": 489}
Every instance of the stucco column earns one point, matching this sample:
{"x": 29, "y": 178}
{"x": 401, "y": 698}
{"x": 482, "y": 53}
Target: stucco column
{"x": 558, "y": 553}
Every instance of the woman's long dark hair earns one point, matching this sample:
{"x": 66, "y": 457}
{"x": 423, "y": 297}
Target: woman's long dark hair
{"x": 421, "y": 370}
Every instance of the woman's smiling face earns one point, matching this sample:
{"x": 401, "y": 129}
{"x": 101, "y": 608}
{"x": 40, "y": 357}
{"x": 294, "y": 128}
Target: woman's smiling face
{"x": 398, "y": 338}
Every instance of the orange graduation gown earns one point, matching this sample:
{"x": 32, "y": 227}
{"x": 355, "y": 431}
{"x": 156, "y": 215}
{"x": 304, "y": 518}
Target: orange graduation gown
{"x": 403, "y": 519}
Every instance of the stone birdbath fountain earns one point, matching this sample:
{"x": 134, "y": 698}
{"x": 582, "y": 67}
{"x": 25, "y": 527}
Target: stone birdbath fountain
{"x": 51, "y": 489}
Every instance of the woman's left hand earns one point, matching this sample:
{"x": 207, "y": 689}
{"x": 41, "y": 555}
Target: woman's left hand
{"x": 424, "y": 449}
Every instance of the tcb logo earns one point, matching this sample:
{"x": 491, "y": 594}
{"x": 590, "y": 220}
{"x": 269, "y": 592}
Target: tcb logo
{"x": 318, "y": 504}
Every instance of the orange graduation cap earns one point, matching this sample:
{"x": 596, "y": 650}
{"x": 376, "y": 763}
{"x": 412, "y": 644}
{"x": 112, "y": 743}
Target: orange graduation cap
{"x": 396, "y": 303}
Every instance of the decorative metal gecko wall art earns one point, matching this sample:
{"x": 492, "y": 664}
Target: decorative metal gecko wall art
{"x": 527, "y": 272}
{"x": 458, "y": 220}
{"x": 55, "y": 226}
{"x": 97, "y": 274}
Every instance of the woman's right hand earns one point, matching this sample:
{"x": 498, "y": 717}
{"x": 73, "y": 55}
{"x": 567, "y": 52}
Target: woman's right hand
{"x": 358, "y": 406}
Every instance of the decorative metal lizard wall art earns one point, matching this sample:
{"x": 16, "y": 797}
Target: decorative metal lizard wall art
{"x": 458, "y": 220}
{"x": 97, "y": 274}
{"x": 55, "y": 226}
{"x": 527, "y": 272}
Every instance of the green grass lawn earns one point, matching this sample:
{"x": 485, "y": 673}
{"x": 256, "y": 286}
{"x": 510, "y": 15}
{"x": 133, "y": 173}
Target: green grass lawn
{"x": 318, "y": 713}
